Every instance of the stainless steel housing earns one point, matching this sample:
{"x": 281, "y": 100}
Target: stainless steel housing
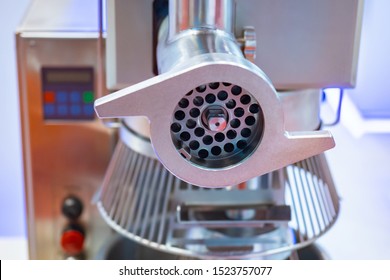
{"x": 60, "y": 157}
{"x": 199, "y": 56}
{"x": 265, "y": 217}
{"x": 298, "y": 46}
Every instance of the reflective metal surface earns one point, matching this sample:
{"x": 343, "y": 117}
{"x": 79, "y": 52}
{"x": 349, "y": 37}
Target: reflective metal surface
{"x": 191, "y": 43}
{"x": 60, "y": 157}
{"x": 120, "y": 248}
{"x": 266, "y": 217}
{"x": 297, "y": 45}
{"x": 199, "y": 44}
{"x": 156, "y": 98}
{"x": 188, "y": 61}
{"x": 301, "y": 109}
{"x": 189, "y": 14}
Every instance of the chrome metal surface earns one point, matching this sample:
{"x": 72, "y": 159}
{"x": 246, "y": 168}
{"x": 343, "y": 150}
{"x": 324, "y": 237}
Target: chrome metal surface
{"x": 249, "y": 43}
{"x": 121, "y": 248}
{"x": 139, "y": 124}
{"x": 144, "y": 202}
{"x": 307, "y": 117}
{"x": 156, "y": 99}
{"x": 191, "y": 43}
{"x": 134, "y": 140}
{"x": 197, "y": 14}
{"x": 266, "y": 217}
{"x": 301, "y": 109}
{"x": 188, "y": 61}
{"x": 297, "y": 45}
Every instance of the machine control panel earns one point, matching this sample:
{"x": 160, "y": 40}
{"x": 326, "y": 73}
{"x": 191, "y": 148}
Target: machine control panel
{"x": 72, "y": 238}
{"x": 68, "y": 93}
{"x": 66, "y": 149}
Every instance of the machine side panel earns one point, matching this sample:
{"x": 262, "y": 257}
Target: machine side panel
{"x": 301, "y": 44}
{"x": 61, "y": 157}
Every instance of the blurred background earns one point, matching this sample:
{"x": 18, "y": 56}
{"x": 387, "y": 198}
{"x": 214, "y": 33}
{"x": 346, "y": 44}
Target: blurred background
{"x": 359, "y": 163}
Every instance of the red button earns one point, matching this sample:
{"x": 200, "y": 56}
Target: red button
{"x": 49, "y": 97}
{"x": 72, "y": 242}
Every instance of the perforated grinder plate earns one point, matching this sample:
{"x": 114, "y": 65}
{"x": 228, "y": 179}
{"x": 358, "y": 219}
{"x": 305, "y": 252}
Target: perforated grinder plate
{"x": 217, "y": 125}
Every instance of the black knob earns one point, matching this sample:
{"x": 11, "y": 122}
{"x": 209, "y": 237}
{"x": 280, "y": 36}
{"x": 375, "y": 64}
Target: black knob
{"x": 72, "y": 207}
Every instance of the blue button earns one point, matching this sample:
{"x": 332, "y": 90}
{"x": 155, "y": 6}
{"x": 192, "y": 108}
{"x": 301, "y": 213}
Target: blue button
{"x": 62, "y": 110}
{"x": 88, "y": 110}
{"x": 75, "y": 110}
{"x": 49, "y": 110}
{"x": 75, "y": 97}
{"x": 62, "y": 97}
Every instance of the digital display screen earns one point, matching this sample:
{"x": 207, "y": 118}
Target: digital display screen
{"x": 55, "y": 76}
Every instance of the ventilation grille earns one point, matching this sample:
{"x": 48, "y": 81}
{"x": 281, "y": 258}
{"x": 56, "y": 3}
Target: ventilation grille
{"x": 141, "y": 200}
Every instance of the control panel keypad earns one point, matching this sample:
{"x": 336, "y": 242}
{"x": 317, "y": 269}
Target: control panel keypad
{"x": 68, "y": 94}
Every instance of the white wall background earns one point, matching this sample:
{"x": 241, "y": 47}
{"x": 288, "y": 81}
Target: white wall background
{"x": 11, "y": 177}
{"x": 360, "y": 166}
{"x": 372, "y": 94}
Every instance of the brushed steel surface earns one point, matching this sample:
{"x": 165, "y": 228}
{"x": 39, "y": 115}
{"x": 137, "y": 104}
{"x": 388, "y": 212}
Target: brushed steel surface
{"x": 60, "y": 157}
{"x": 156, "y": 99}
{"x": 301, "y": 110}
{"x": 199, "y": 56}
{"x": 301, "y": 44}
{"x": 61, "y": 16}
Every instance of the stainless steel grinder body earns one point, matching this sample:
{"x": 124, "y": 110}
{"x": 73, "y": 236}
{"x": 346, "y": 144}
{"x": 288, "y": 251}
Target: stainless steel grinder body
{"x": 215, "y": 118}
{"x": 199, "y": 44}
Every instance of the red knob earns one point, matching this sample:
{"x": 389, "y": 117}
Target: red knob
{"x": 72, "y": 241}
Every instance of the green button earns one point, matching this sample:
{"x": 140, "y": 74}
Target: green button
{"x": 88, "y": 96}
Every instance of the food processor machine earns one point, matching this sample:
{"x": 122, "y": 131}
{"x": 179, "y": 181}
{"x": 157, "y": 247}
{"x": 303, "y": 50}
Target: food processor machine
{"x": 216, "y": 104}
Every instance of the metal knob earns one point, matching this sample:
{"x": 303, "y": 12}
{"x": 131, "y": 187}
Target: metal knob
{"x": 72, "y": 207}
